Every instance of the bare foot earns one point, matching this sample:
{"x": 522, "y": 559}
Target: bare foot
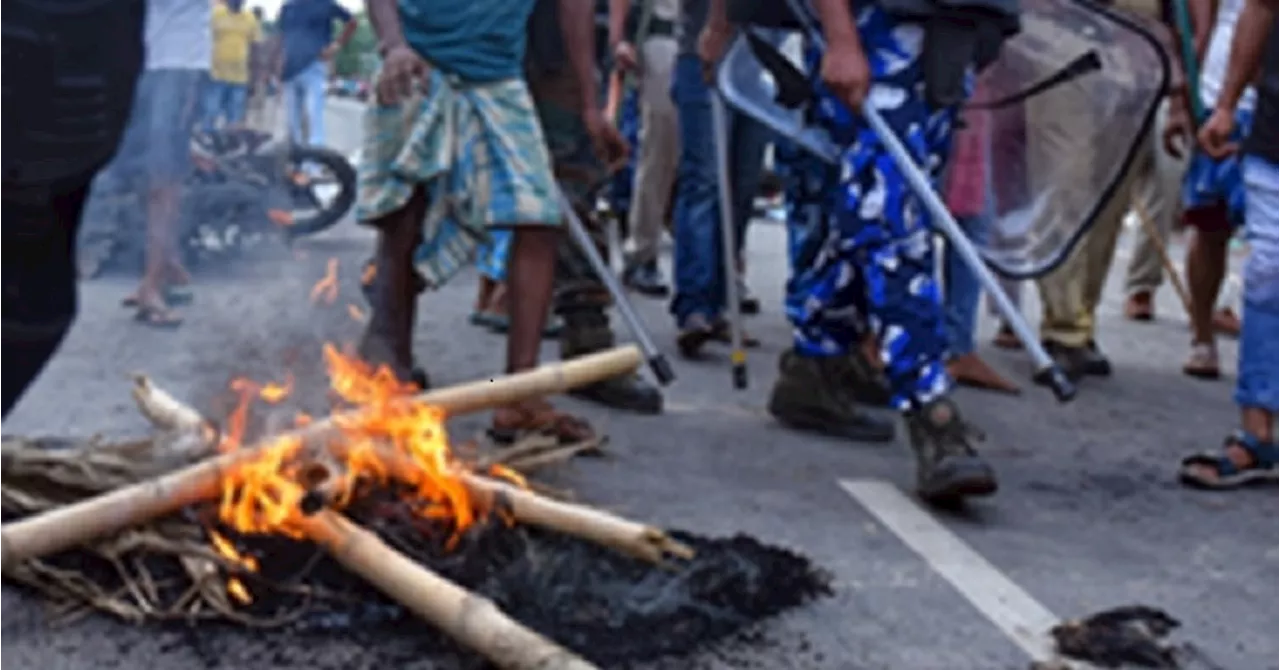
{"x": 971, "y": 370}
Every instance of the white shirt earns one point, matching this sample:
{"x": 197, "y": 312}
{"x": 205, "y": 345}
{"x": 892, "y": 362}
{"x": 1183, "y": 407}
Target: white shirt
{"x": 179, "y": 34}
{"x": 1214, "y": 70}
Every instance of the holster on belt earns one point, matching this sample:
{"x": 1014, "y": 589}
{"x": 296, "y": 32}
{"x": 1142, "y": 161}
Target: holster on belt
{"x": 959, "y": 34}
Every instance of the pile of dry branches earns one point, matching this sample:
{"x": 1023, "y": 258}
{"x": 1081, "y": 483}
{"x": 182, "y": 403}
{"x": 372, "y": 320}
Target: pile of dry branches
{"x": 124, "y": 505}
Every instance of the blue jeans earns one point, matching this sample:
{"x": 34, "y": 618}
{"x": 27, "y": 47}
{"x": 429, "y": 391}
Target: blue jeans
{"x": 224, "y": 100}
{"x": 962, "y": 288}
{"x": 1256, "y": 383}
{"x": 699, "y": 257}
{"x": 304, "y": 99}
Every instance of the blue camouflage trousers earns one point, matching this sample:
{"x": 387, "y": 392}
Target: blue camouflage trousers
{"x": 860, "y": 238}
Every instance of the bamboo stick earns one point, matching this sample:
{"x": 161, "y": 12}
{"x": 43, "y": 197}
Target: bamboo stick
{"x": 162, "y": 409}
{"x": 465, "y": 616}
{"x": 635, "y": 539}
{"x": 65, "y": 527}
{"x": 1157, "y": 241}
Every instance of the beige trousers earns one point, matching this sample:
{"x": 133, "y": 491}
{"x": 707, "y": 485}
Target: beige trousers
{"x": 659, "y": 150}
{"x": 1070, "y": 295}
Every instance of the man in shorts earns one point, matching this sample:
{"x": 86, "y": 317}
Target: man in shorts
{"x": 155, "y": 156}
{"x": 1212, "y": 192}
{"x": 453, "y": 148}
{"x": 1250, "y": 454}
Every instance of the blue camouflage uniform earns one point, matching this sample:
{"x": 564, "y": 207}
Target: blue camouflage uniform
{"x": 861, "y": 238}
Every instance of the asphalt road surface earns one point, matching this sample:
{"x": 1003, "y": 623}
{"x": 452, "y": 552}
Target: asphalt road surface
{"x": 1089, "y": 515}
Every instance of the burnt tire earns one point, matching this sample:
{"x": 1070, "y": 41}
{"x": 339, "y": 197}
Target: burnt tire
{"x": 345, "y": 174}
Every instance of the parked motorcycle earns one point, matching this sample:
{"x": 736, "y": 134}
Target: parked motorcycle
{"x": 244, "y": 188}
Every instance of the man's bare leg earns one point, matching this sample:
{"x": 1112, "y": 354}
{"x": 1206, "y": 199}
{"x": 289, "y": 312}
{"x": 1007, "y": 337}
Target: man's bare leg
{"x": 530, "y": 281}
{"x": 393, "y": 292}
{"x": 162, "y": 213}
{"x": 1206, "y": 267}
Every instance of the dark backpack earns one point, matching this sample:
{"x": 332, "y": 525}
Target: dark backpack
{"x": 70, "y": 67}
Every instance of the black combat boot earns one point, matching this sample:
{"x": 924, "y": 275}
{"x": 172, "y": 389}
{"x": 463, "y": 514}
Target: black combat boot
{"x": 586, "y": 331}
{"x": 866, "y": 384}
{"x": 813, "y": 394}
{"x": 947, "y": 467}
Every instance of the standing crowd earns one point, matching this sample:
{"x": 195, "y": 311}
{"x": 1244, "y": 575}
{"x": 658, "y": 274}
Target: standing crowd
{"x": 464, "y": 106}
{"x": 488, "y": 121}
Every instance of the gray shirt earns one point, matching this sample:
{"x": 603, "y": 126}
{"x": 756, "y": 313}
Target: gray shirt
{"x": 693, "y": 16}
{"x": 179, "y": 35}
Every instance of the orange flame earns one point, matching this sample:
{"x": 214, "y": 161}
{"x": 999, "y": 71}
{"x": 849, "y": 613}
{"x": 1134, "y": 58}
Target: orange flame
{"x": 389, "y": 437}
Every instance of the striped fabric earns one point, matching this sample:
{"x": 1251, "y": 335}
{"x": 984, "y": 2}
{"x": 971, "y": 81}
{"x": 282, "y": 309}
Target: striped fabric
{"x": 479, "y": 152}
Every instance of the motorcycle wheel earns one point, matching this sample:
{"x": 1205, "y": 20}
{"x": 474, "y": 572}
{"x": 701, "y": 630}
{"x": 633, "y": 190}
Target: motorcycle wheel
{"x": 332, "y": 212}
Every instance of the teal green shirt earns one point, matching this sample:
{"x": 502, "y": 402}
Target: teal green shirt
{"x": 474, "y": 40}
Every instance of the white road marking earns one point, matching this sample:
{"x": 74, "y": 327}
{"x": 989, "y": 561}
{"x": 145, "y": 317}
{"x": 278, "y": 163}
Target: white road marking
{"x": 1019, "y": 616}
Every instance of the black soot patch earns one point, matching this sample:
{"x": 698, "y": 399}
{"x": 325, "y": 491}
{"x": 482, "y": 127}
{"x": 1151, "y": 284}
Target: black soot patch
{"x": 614, "y": 610}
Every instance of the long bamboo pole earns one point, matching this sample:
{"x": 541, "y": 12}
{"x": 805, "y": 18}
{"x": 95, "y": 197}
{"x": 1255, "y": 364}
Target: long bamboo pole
{"x": 465, "y": 616}
{"x": 65, "y": 527}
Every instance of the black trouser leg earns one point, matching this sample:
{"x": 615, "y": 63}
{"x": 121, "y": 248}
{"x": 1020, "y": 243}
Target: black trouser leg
{"x": 39, "y": 279}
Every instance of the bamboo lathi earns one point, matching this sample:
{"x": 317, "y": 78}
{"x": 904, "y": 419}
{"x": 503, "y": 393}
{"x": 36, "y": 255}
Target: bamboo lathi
{"x": 64, "y": 527}
{"x": 635, "y": 539}
{"x": 629, "y": 537}
{"x": 465, "y": 616}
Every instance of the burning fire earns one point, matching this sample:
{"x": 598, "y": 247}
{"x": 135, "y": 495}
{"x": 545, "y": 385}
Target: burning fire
{"x": 387, "y": 437}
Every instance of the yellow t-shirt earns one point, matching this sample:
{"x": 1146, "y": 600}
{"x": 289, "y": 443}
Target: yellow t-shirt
{"x": 233, "y": 36}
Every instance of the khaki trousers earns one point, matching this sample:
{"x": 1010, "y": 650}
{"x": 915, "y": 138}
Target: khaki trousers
{"x": 659, "y": 150}
{"x": 1071, "y": 293}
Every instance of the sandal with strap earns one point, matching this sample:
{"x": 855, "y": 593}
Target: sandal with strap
{"x": 512, "y": 422}
{"x": 1219, "y": 472}
{"x": 1202, "y": 363}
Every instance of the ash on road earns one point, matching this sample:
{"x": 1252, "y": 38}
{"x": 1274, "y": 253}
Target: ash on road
{"x": 1089, "y": 515}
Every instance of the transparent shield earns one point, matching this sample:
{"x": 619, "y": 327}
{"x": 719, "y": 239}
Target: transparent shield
{"x": 1057, "y": 157}
{"x": 1056, "y": 152}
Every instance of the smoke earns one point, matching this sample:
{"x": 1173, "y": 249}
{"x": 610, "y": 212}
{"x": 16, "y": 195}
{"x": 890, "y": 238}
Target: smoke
{"x": 231, "y": 205}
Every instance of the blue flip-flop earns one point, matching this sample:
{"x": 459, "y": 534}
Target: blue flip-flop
{"x": 1263, "y": 469}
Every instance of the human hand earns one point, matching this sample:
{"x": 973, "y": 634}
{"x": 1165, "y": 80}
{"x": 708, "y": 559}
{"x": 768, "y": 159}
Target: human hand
{"x": 1215, "y": 134}
{"x": 402, "y": 70}
{"x": 328, "y": 52}
{"x": 624, "y": 57}
{"x": 610, "y": 147}
{"x": 846, "y": 72}
{"x": 713, "y": 41}
{"x": 1178, "y": 129}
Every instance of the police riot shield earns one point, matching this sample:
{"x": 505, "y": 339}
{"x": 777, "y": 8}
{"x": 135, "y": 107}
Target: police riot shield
{"x": 1068, "y": 105}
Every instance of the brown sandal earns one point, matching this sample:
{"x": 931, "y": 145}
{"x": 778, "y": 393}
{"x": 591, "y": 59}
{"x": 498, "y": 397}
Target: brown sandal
{"x": 512, "y": 422}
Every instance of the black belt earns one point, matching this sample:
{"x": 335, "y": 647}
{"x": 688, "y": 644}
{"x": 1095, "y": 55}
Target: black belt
{"x": 661, "y": 28}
